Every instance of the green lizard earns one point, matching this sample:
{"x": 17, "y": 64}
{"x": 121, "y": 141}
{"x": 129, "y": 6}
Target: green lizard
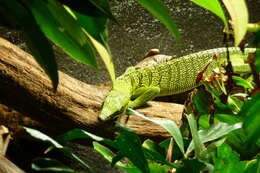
{"x": 137, "y": 86}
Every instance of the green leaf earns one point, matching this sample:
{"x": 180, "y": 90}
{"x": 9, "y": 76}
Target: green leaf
{"x": 50, "y": 165}
{"x": 168, "y": 125}
{"x": 96, "y": 30}
{"x": 129, "y": 145}
{"x": 103, "y": 5}
{"x": 106, "y": 153}
{"x": 159, "y": 168}
{"x": 214, "y": 132}
{"x": 253, "y": 165}
{"x": 228, "y": 160}
{"x": 226, "y": 118}
{"x": 235, "y": 103}
{"x": 35, "y": 39}
{"x": 81, "y": 134}
{"x": 212, "y": 148}
{"x": 106, "y": 57}
{"x": 61, "y": 28}
{"x": 239, "y": 15}
{"x": 88, "y": 8}
{"x": 242, "y": 82}
{"x": 257, "y": 61}
{"x": 191, "y": 166}
{"x": 66, "y": 151}
{"x": 156, "y": 8}
{"x": 152, "y": 146}
{"x": 213, "y": 6}
{"x": 199, "y": 147}
{"x": 202, "y": 101}
{"x": 95, "y": 26}
{"x": 250, "y": 111}
{"x": 204, "y": 121}
{"x": 155, "y": 153}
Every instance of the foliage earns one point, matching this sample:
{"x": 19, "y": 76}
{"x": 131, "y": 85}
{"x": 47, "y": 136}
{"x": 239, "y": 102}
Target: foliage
{"x": 223, "y": 126}
{"x": 77, "y": 27}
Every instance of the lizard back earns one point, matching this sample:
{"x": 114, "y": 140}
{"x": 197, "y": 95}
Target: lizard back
{"x": 178, "y": 75}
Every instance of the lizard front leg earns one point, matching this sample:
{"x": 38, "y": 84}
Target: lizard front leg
{"x": 143, "y": 95}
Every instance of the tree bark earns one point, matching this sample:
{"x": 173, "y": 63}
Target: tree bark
{"x": 25, "y": 87}
{"x": 6, "y": 166}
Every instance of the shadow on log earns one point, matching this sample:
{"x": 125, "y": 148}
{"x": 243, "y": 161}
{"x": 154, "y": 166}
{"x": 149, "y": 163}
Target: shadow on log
{"x": 25, "y": 87}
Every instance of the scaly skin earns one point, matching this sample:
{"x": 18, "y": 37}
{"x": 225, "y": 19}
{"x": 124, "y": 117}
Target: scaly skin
{"x": 136, "y": 87}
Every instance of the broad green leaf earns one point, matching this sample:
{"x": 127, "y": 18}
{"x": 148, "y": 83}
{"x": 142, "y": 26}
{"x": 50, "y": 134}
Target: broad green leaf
{"x": 239, "y": 15}
{"x": 198, "y": 145}
{"x": 156, "y": 8}
{"x": 97, "y": 32}
{"x": 168, "y": 125}
{"x": 202, "y": 101}
{"x": 94, "y": 26}
{"x": 227, "y": 161}
{"x": 50, "y": 165}
{"x": 213, "y": 6}
{"x": 214, "y": 132}
{"x": 250, "y": 111}
{"x": 35, "y": 39}
{"x": 61, "y": 28}
{"x": 66, "y": 151}
{"x": 129, "y": 145}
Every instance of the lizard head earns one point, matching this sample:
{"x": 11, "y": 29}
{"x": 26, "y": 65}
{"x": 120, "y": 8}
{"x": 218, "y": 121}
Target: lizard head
{"x": 115, "y": 102}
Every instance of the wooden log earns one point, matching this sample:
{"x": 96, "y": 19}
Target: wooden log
{"x": 6, "y": 166}
{"x": 25, "y": 86}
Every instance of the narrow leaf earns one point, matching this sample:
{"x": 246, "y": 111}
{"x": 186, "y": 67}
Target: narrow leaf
{"x": 106, "y": 153}
{"x": 105, "y": 55}
{"x": 88, "y": 8}
{"x": 239, "y": 15}
{"x": 158, "y": 10}
{"x": 66, "y": 151}
{"x": 50, "y": 165}
{"x": 168, "y": 125}
{"x": 242, "y": 82}
{"x": 213, "y": 6}
{"x": 103, "y": 5}
{"x": 199, "y": 147}
{"x": 81, "y": 134}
